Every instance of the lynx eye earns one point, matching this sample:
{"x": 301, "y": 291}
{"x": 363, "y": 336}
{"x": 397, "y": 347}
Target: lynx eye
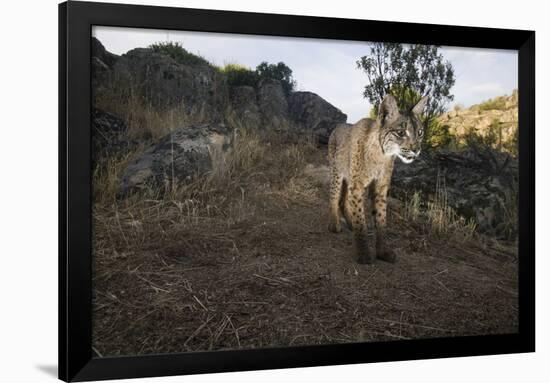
{"x": 400, "y": 133}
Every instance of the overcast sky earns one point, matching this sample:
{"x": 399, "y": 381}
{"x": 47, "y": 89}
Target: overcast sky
{"x": 326, "y": 67}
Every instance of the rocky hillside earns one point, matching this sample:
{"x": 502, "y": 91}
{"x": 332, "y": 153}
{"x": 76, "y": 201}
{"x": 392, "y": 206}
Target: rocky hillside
{"x": 201, "y": 90}
{"x": 498, "y": 117}
{"x": 213, "y": 110}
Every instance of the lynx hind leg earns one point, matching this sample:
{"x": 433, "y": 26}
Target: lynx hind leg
{"x": 345, "y": 207}
{"x": 336, "y": 186}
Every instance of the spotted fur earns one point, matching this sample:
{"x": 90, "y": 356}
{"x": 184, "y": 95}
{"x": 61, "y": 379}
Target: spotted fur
{"x": 361, "y": 158}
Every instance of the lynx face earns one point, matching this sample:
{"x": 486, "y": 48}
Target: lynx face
{"x": 401, "y": 133}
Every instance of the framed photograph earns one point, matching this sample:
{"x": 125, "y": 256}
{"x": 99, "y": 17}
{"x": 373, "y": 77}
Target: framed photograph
{"x": 246, "y": 191}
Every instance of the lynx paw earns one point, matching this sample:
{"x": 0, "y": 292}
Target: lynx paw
{"x": 365, "y": 259}
{"x": 365, "y": 256}
{"x": 386, "y": 255}
{"x": 335, "y": 227}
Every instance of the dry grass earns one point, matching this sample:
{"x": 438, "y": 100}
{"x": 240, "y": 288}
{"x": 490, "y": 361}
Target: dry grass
{"x": 436, "y": 217}
{"x": 240, "y": 258}
{"x": 144, "y": 121}
{"x": 257, "y": 167}
{"x": 443, "y": 219}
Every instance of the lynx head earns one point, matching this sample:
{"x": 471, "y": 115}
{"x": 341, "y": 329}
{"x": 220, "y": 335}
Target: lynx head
{"x": 401, "y": 133}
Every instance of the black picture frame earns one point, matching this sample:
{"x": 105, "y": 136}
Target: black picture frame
{"x": 76, "y": 361}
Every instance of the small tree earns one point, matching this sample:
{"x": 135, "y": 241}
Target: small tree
{"x": 280, "y": 72}
{"x": 408, "y": 73}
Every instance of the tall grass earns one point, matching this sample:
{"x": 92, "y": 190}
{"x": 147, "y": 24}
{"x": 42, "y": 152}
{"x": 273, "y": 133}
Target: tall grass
{"x": 443, "y": 218}
{"x": 437, "y": 216}
{"x": 144, "y": 121}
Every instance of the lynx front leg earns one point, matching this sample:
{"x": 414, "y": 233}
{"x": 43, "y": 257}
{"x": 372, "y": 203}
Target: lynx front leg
{"x": 359, "y": 223}
{"x": 336, "y": 181}
{"x": 379, "y": 213}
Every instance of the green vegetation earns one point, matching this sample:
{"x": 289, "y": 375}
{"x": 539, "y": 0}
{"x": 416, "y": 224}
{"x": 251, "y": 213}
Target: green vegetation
{"x": 236, "y": 74}
{"x": 408, "y": 72}
{"x": 240, "y": 75}
{"x": 178, "y": 53}
{"x": 439, "y": 136}
{"x": 280, "y": 72}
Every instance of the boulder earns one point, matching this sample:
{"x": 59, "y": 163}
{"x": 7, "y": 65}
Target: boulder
{"x": 99, "y": 52}
{"x": 102, "y": 62}
{"x": 164, "y": 83}
{"x": 313, "y": 115}
{"x": 273, "y": 105}
{"x": 481, "y": 185}
{"x": 245, "y": 107}
{"x": 178, "y": 157}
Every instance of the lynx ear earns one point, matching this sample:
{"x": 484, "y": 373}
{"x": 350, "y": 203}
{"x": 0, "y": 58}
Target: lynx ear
{"x": 388, "y": 109}
{"x": 420, "y": 105}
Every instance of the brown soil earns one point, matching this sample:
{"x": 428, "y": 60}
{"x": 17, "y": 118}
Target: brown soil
{"x": 277, "y": 277}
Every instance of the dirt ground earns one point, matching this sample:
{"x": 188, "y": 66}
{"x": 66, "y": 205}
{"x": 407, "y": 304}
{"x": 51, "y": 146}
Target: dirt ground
{"x": 277, "y": 277}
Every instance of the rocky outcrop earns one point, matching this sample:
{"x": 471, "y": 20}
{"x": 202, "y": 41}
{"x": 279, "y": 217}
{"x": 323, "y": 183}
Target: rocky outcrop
{"x": 100, "y": 53}
{"x": 154, "y": 78}
{"x": 477, "y": 184}
{"x": 244, "y": 107}
{"x": 273, "y": 105}
{"x": 164, "y": 83}
{"x": 496, "y": 116}
{"x": 179, "y": 156}
{"x": 167, "y": 82}
{"x": 313, "y": 115}
{"x": 102, "y": 64}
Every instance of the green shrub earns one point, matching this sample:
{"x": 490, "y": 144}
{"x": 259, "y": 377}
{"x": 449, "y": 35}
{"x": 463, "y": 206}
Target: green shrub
{"x": 280, "y": 72}
{"x": 178, "y": 53}
{"x": 438, "y": 135}
{"x": 239, "y": 75}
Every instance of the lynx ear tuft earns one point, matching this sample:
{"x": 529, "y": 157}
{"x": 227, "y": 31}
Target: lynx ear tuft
{"x": 420, "y": 105}
{"x": 388, "y": 109}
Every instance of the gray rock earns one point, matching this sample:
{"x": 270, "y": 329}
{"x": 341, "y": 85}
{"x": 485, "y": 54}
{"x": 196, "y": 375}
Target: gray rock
{"x": 164, "y": 83}
{"x": 245, "y": 107}
{"x": 99, "y": 51}
{"x": 481, "y": 185}
{"x": 273, "y": 105}
{"x": 178, "y": 157}
{"x": 312, "y": 114}
{"x": 101, "y": 65}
